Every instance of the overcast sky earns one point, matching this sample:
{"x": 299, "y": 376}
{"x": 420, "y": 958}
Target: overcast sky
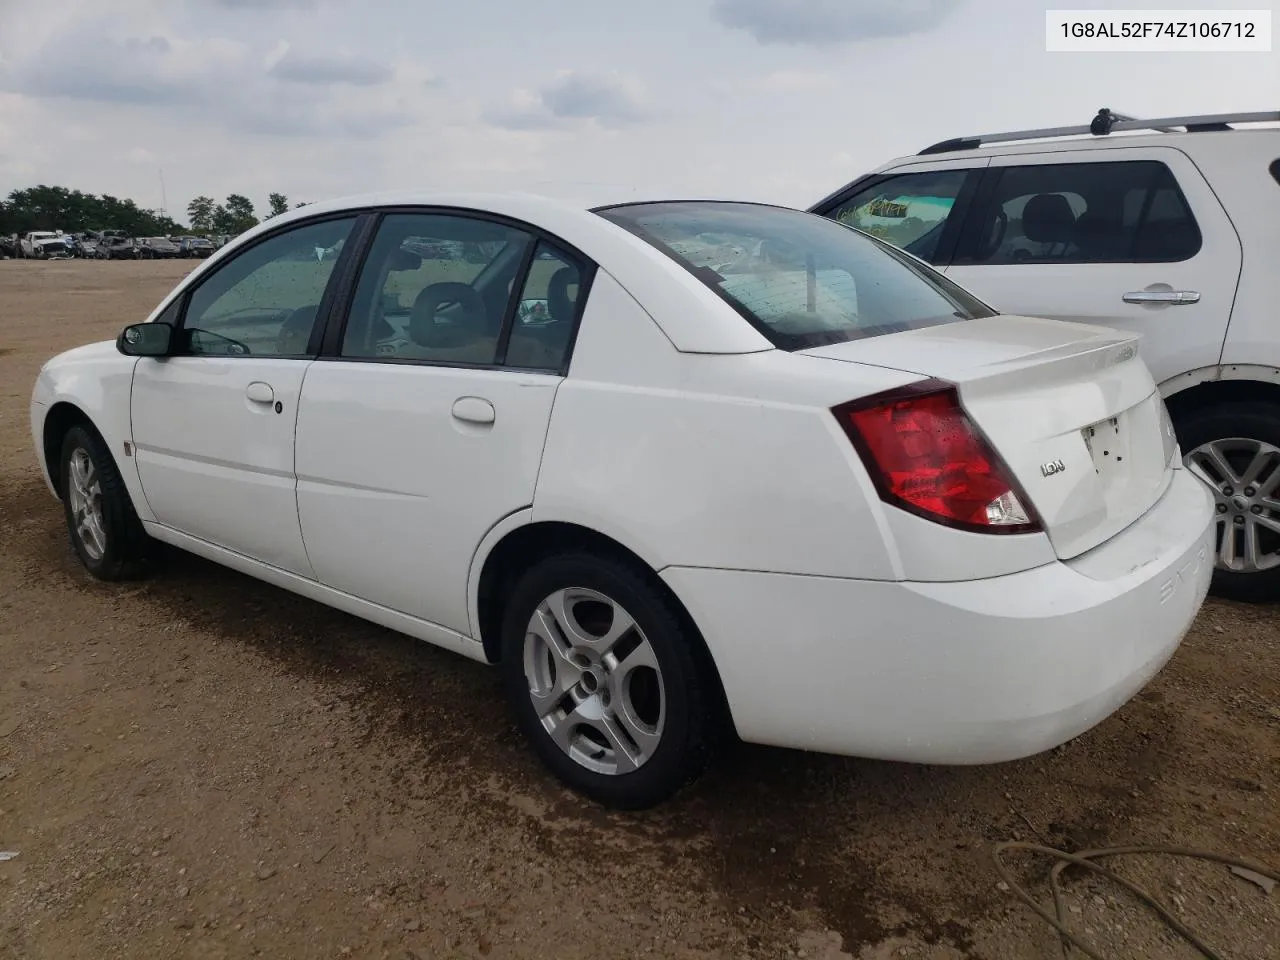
{"x": 778, "y": 100}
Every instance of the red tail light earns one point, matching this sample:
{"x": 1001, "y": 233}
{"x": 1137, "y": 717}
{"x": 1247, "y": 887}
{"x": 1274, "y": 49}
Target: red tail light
{"x": 926, "y": 456}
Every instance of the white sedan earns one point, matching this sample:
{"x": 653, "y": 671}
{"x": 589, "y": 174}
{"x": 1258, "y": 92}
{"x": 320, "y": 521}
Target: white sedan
{"x": 681, "y": 469}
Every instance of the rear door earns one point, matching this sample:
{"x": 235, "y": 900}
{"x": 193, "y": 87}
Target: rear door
{"x": 423, "y": 424}
{"x": 918, "y": 207}
{"x": 1129, "y": 238}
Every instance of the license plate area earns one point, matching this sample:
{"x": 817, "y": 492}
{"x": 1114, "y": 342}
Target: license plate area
{"x": 1108, "y": 443}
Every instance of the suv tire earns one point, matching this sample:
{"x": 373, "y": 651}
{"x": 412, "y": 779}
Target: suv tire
{"x": 1235, "y": 449}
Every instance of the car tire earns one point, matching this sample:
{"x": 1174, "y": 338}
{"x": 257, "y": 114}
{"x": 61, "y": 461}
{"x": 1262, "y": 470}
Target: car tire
{"x": 647, "y": 731}
{"x": 101, "y": 521}
{"x": 1245, "y": 436}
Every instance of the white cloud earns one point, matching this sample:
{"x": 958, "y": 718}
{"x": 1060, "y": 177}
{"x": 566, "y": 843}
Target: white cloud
{"x": 325, "y": 69}
{"x": 738, "y": 98}
{"x": 824, "y": 22}
{"x": 225, "y": 79}
{"x": 573, "y": 96}
{"x": 266, "y": 4}
{"x": 790, "y": 81}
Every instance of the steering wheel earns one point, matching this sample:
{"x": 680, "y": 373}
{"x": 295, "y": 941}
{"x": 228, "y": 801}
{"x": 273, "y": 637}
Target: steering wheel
{"x": 232, "y": 347}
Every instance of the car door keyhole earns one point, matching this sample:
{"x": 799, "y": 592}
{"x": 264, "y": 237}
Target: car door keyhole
{"x": 279, "y": 407}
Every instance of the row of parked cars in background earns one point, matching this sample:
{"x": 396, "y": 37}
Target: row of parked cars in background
{"x": 105, "y": 245}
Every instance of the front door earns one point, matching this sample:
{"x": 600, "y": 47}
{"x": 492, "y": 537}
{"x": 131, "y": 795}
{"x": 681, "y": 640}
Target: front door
{"x": 213, "y": 425}
{"x": 1128, "y": 238}
{"x": 427, "y": 426}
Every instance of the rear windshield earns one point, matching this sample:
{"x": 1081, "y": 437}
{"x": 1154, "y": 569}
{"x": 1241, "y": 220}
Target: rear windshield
{"x": 800, "y": 279}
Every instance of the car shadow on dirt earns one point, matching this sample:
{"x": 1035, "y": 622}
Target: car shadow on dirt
{"x": 875, "y": 849}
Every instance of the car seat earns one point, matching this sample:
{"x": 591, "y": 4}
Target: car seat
{"x": 1048, "y": 218}
{"x": 466, "y": 335}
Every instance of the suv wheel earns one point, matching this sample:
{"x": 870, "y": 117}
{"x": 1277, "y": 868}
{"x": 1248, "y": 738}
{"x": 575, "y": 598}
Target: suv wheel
{"x": 1234, "y": 448}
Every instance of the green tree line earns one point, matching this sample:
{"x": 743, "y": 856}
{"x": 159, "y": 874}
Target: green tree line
{"x": 59, "y": 208}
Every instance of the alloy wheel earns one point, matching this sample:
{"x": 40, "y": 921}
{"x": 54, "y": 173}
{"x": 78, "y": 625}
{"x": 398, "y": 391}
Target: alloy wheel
{"x": 1243, "y": 475}
{"x": 85, "y": 492}
{"x": 594, "y": 681}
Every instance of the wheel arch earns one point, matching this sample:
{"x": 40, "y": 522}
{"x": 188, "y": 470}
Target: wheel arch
{"x": 62, "y": 416}
{"x": 1229, "y": 383}
{"x": 523, "y": 543}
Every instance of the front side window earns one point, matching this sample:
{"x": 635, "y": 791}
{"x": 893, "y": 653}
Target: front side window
{"x": 264, "y": 301}
{"x": 909, "y": 211}
{"x": 802, "y": 280}
{"x": 435, "y": 287}
{"x": 1102, "y": 212}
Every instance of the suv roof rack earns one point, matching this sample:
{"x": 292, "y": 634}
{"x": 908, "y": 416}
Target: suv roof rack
{"x": 1104, "y": 123}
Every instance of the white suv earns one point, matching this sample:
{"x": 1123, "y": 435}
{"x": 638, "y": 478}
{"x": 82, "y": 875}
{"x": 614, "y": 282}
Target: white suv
{"x": 1172, "y": 232}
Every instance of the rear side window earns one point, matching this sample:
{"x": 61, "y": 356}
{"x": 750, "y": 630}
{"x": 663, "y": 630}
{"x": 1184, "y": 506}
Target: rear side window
{"x": 1104, "y": 212}
{"x": 1275, "y": 170}
{"x": 800, "y": 279}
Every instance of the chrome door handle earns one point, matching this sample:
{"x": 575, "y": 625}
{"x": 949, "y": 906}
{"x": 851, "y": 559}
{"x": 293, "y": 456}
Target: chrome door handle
{"x": 1174, "y": 297}
{"x": 473, "y": 410}
{"x": 260, "y": 392}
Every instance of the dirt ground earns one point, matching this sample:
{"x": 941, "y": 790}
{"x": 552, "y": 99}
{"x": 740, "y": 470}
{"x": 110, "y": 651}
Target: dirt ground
{"x": 202, "y": 766}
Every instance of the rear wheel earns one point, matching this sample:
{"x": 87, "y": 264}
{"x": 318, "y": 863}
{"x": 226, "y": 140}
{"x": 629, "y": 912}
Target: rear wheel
{"x": 105, "y": 531}
{"x": 1234, "y": 449}
{"x": 606, "y": 681}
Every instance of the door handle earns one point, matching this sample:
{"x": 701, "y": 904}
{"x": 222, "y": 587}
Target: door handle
{"x": 260, "y": 392}
{"x": 1174, "y": 297}
{"x": 473, "y": 410}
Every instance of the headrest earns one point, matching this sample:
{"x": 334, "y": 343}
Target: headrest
{"x": 468, "y": 322}
{"x": 295, "y": 332}
{"x": 1048, "y": 218}
{"x": 402, "y": 260}
{"x": 559, "y": 303}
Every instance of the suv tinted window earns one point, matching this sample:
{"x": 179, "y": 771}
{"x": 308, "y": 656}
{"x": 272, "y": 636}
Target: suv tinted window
{"x": 910, "y": 211}
{"x": 800, "y": 279}
{"x": 1275, "y": 170}
{"x": 1104, "y": 212}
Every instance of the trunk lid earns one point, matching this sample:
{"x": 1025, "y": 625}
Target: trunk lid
{"x": 1071, "y": 408}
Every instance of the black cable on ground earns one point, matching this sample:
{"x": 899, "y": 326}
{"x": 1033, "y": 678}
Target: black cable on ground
{"x": 1086, "y": 860}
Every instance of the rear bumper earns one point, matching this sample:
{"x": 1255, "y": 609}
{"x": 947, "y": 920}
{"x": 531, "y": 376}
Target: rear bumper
{"x": 979, "y": 671}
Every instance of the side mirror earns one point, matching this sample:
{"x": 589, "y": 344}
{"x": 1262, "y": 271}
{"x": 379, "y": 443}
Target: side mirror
{"x": 145, "y": 340}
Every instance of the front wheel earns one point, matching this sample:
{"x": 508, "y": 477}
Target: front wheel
{"x": 105, "y": 531}
{"x": 1234, "y": 449}
{"x": 606, "y": 680}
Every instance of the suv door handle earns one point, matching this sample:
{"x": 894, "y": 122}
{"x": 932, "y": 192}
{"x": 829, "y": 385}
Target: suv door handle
{"x": 473, "y": 410}
{"x": 1175, "y": 297}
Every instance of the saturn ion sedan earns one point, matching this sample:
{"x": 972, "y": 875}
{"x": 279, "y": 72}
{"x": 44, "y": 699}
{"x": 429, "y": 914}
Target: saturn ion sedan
{"x": 681, "y": 470}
